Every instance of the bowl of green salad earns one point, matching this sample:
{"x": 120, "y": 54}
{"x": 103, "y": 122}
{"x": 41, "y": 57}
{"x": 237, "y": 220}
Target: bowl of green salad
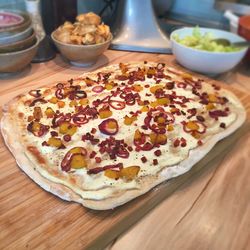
{"x": 196, "y": 49}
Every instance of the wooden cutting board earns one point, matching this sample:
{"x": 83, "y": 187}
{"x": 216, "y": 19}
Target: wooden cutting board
{"x": 31, "y": 218}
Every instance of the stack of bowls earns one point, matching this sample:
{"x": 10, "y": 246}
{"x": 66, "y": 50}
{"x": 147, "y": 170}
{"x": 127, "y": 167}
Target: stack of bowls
{"x": 18, "y": 42}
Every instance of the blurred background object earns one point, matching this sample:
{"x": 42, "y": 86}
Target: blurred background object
{"x": 170, "y": 14}
{"x": 45, "y": 51}
{"x": 241, "y": 7}
{"x": 136, "y": 28}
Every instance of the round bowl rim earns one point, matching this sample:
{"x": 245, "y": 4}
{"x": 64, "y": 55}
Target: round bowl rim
{"x": 82, "y": 45}
{"x": 15, "y": 35}
{"x": 205, "y": 51}
{"x": 21, "y": 51}
{"x": 33, "y": 34}
{"x": 25, "y": 15}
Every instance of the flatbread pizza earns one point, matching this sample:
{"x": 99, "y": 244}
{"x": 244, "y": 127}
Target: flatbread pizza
{"x": 111, "y": 135}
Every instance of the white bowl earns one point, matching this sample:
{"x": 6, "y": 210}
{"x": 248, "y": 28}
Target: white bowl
{"x": 205, "y": 61}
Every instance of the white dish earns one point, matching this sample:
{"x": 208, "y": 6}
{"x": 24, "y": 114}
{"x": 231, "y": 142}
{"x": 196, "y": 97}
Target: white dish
{"x": 206, "y": 62}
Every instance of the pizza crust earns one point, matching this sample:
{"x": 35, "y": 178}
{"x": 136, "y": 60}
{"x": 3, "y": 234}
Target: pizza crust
{"x": 13, "y": 141}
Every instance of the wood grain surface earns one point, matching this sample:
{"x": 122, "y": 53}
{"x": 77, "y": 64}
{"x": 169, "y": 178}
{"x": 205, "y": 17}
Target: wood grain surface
{"x": 207, "y": 208}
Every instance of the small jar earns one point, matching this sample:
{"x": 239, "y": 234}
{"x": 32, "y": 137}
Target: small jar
{"x": 244, "y": 31}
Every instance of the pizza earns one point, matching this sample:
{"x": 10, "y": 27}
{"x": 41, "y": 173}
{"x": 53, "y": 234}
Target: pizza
{"x": 109, "y": 136}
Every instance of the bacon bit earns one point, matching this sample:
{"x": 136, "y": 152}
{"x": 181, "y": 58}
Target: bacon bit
{"x": 147, "y": 86}
{"x": 44, "y": 143}
{"x": 93, "y": 131}
{"x": 170, "y": 85}
{"x": 92, "y": 154}
{"x": 199, "y": 142}
{"x": 223, "y": 125}
{"x": 217, "y": 113}
{"x": 157, "y": 152}
{"x": 155, "y": 161}
{"x": 224, "y": 100}
{"x": 183, "y": 142}
{"x": 91, "y": 138}
{"x": 176, "y": 143}
{"x": 216, "y": 87}
{"x": 30, "y": 118}
{"x": 98, "y": 159}
{"x": 53, "y": 133}
{"x": 114, "y": 148}
{"x": 200, "y": 118}
{"x": 144, "y": 159}
{"x": 192, "y": 112}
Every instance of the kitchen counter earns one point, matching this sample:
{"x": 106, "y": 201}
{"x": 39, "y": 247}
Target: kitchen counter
{"x": 212, "y": 212}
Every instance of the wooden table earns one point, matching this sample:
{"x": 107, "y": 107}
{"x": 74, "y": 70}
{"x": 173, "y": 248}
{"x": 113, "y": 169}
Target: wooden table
{"x": 211, "y": 212}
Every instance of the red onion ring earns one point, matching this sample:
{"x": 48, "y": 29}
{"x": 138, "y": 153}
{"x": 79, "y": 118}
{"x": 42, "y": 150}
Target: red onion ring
{"x": 59, "y": 93}
{"x": 98, "y": 89}
{"x": 41, "y": 100}
{"x": 103, "y": 127}
{"x": 152, "y": 114}
{"x": 60, "y": 85}
{"x": 80, "y": 94}
{"x": 65, "y": 164}
{"x": 80, "y": 119}
{"x": 60, "y": 118}
{"x": 182, "y": 85}
{"x": 35, "y": 93}
{"x": 118, "y": 105}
